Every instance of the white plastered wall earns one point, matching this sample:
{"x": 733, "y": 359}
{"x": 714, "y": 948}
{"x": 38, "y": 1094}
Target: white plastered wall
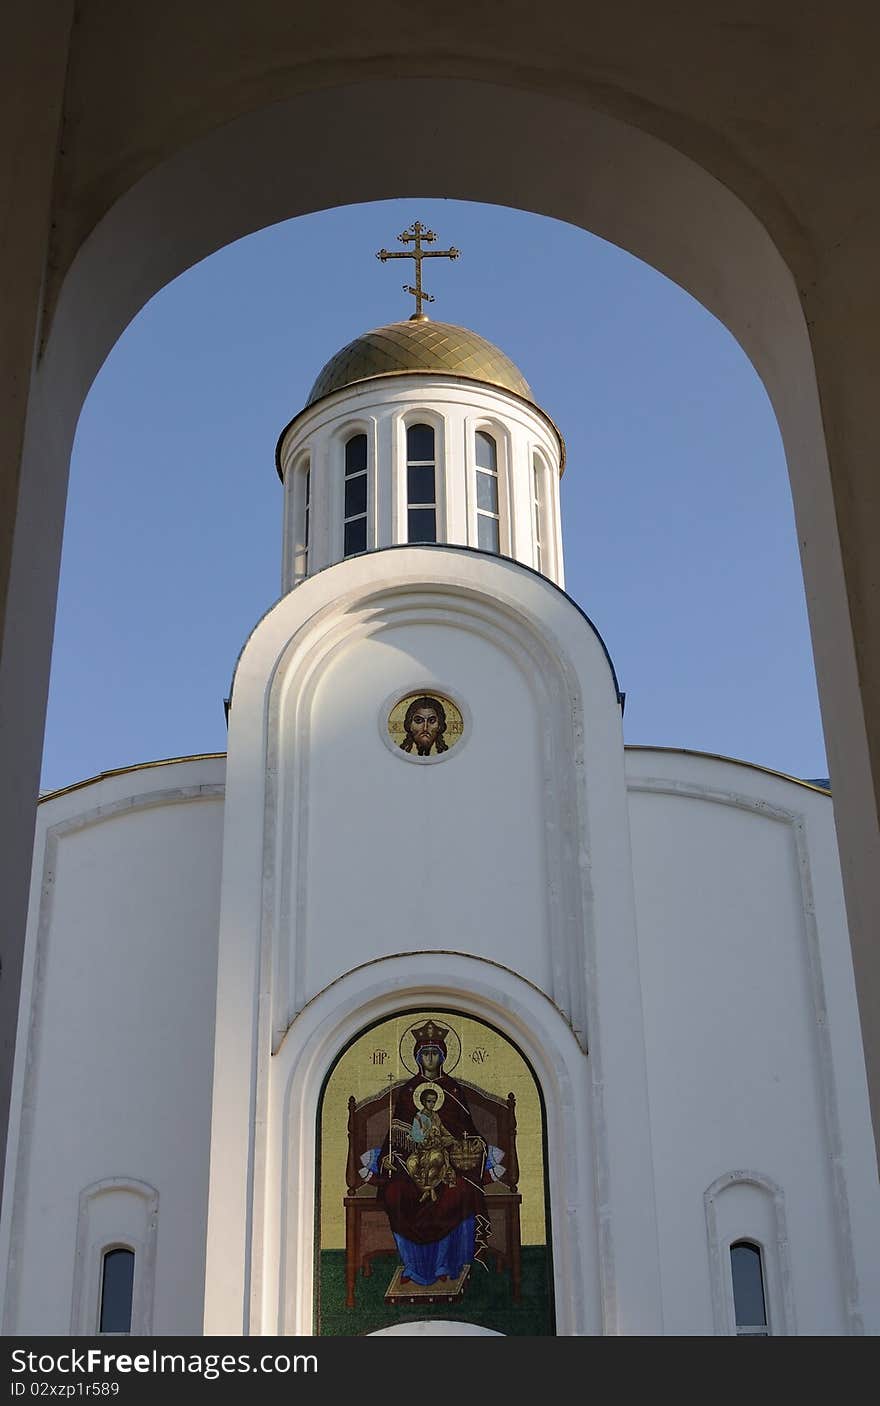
{"x": 112, "y": 1093}
{"x": 756, "y": 1071}
{"x": 759, "y": 1124}
{"x": 514, "y": 850}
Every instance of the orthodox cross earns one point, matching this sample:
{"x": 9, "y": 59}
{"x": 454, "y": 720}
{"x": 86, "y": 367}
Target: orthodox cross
{"x": 414, "y": 235}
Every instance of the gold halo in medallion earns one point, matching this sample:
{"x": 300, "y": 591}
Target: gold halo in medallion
{"x": 421, "y": 1089}
{"x": 453, "y": 1048}
{"x": 442, "y": 733}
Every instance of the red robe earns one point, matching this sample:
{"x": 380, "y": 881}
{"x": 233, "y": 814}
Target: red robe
{"x": 424, "y": 1222}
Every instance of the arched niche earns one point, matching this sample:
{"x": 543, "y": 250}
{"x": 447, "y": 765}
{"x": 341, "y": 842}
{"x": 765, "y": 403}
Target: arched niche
{"x": 431, "y": 1182}
{"x": 268, "y": 1283}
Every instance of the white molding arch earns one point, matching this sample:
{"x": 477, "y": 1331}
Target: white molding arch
{"x": 548, "y": 672}
{"x": 436, "y": 1328}
{"x": 282, "y": 1294}
{"x": 591, "y": 948}
{"x": 778, "y": 1286}
{"x": 132, "y": 1222}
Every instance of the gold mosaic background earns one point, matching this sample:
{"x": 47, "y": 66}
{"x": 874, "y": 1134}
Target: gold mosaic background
{"x": 454, "y": 720}
{"x": 487, "y": 1059}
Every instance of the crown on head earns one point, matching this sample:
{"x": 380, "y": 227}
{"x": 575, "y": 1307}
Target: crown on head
{"x": 430, "y": 1034}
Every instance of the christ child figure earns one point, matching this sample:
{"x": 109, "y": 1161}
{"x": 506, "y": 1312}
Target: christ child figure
{"x": 429, "y": 1164}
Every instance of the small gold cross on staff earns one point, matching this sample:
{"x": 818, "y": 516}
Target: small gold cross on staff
{"x": 414, "y": 235}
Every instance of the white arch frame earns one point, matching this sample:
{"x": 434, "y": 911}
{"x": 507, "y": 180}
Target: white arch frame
{"x": 776, "y": 1263}
{"x": 262, "y": 990}
{"x": 91, "y": 1246}
{"x": 347, "y": 612}
{"x": 687, "y": 223}
{"x": 582, "y": 1260}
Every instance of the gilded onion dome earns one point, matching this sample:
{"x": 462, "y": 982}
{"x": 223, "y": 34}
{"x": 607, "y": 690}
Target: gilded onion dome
{"x": 419, "y": 346}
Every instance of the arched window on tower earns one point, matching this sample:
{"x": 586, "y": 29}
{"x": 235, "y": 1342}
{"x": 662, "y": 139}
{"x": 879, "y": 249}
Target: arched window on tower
{"x": 749, "y": 1300}
{"x": 307, "y": 510}
{"x": 488, "y": 513}
{"x": 117, "y": 1288}
{"x": 539, "y": 505}
{"x": 421, "y": 484}
{"x": 355, "y": 508}
{"x": 302, "y": 519}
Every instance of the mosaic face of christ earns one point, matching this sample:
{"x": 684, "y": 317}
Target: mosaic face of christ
{"x": 424, "y": 726}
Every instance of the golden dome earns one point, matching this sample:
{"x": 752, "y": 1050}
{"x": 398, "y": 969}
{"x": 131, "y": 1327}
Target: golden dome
{"x": 419, "y": 346}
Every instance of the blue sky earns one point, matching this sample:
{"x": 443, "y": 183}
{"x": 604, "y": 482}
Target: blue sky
{"x": 678, "y": 528}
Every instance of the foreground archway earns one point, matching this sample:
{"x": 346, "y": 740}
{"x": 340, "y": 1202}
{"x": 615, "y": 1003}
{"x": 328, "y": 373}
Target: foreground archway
{"x": 500, "y": 144}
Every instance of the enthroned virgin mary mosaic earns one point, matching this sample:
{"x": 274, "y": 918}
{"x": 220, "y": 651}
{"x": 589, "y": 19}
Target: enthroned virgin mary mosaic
{"x": 431, "y": 1183}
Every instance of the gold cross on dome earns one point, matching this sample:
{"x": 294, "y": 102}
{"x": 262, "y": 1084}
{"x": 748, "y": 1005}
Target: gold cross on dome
{"x": 414, "y": 235}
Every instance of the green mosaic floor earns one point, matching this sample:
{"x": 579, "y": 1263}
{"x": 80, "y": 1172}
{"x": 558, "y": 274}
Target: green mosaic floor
{"x": 486, "y": 1300}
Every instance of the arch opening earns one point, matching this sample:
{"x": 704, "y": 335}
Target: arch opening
{"x": 225, "y": 185}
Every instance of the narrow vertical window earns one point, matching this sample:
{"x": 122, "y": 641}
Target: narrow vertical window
{"x": 421, "y": 484}
{"x": 540, "y": 515}
{"x": 749, "y": 1303}
{"x": 117, "y": 1285}
{"x": 355, "y": 509}
{"x": 307, "y": 508}
{"x": 488, "y": 520}
{"x": 302, "y": 514}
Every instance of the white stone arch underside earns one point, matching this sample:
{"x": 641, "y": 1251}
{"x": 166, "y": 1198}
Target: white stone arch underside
{"x": 507, "y": 143}
{"x": 573, "y": 162}
{"x": 282, "y": 1291}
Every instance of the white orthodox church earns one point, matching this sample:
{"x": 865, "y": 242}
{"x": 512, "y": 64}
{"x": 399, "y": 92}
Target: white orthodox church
{"x": 430, "y": 1006}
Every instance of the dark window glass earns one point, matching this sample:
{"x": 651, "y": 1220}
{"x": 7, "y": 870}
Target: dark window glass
{"x": 422, "y": 525}
{"x": 748, "y": 1285}
{"x": 355, "y": 536}
{"x": 420, "y": 483}
{"x": 419, "y": 443}
{"x": 356, "y": 454}
{"x": 306, "y": 513}
{"x": 487, "y": 533}
{"x": 487, "y": 492}
{"x": 117, "y": 1283}
{"x": 486, "y": 453}
{"x": 355, "y": 495}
